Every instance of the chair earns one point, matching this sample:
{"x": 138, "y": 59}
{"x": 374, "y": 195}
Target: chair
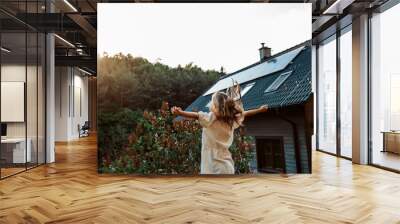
{"x": 84, "y": 130}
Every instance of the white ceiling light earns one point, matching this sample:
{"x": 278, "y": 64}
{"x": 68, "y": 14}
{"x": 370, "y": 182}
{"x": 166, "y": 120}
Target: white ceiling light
{"x": 70, "y": 5}
{"x": 64, "y": 40}
{"x": 338, "y": 6}
{"x": 84, "y": 71}
{"x": 5, "y": 50}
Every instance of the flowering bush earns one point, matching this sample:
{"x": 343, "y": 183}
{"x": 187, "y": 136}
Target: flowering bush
{"x": 161, "y": 144}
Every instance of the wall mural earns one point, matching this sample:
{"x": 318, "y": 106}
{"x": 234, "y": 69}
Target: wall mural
{"x": 176, "y": 101}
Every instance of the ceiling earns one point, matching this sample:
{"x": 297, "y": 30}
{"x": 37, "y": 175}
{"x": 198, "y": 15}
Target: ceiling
{"x": 73, "y": 21}
{"x": 331, "y": 15}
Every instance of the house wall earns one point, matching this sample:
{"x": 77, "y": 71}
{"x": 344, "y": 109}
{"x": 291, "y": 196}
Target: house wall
{"x": 272, "y": 125}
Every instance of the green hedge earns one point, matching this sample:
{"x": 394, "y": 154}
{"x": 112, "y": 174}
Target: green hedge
{"x": 157, "y": 143}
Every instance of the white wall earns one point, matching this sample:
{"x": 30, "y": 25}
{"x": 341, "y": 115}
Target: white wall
{"x": 71, "y": 94}
{"x": 16, "y": 73}
{"x": 80, "y": 109}
{"x": 33, "y": 126}
{"x": 62, "y": 82}
{"x": 12, "y": 73}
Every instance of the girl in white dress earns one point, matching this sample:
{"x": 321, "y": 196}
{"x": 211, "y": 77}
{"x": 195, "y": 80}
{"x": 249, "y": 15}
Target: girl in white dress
{"x": 226, "y": 114}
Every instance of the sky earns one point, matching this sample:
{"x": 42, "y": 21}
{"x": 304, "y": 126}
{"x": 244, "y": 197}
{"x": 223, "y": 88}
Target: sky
{"x": 207, "y": 35}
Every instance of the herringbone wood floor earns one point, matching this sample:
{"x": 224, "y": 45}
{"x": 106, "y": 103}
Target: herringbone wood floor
{"x": 71, "y": 191}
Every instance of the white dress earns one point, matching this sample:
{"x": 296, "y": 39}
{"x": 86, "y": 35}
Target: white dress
{"x": 217, "y": 137}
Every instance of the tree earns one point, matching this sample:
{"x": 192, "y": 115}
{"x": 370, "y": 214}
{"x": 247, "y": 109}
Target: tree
{"x": 135, "y": 83}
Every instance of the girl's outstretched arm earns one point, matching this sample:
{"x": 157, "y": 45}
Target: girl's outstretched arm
{"x": 178, "y": 111}
{"x": 263, "y": 108}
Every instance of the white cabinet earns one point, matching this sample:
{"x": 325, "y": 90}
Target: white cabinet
{"x": 19, "y": 155}
{"x": 391, "y": 142}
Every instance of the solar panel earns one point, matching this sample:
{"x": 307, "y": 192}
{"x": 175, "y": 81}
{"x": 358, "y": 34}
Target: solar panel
{"x": 268, "y": 67}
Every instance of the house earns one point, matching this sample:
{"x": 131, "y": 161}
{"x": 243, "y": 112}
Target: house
{"x": 283, "y": 82}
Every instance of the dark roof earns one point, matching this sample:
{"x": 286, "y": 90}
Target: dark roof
{"x": 295, "y": 90}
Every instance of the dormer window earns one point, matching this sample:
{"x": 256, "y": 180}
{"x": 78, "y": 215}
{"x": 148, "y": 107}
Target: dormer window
{"x": 246, "y": 88}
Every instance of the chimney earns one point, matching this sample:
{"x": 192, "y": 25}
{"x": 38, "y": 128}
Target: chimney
{"x": 265, "y": 52}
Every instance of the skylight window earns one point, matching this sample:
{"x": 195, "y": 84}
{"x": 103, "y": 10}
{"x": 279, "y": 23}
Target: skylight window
{"x": 247, "y": 88}
{"x": 278, "y": 82}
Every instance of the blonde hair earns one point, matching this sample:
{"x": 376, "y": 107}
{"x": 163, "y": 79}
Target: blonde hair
{"x": 229, "y": 110}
